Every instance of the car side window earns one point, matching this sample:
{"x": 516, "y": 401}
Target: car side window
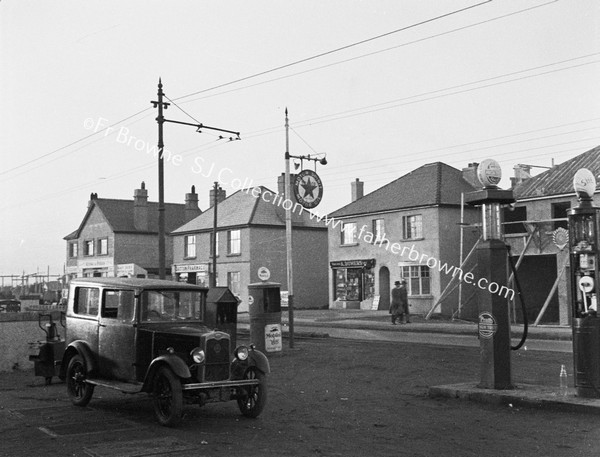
{"x": 87, "y": 301}
{"x": 118, "y": 304}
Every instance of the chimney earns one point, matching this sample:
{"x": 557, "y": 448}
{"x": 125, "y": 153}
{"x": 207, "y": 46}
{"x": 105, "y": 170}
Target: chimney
{"x": 281, "y": 186}
{"x": 140, "y": 208}
{"x": 470, "y": 175}
{"x": 358, "y": 189}
{"x": 93, "y": 196}
{"x": 191, "y": 205}
{"x": 522, "y": 172}
{"x": 221, "y": 195}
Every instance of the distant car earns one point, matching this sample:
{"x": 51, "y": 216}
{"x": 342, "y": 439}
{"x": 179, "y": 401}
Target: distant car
{"x": 10, "y": 305}
{"x": 152, "y": 336}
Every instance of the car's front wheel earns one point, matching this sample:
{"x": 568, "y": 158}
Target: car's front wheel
{"x": 167, "y": 397}
{"x": 254, "y": 397}
{"x": 79, "y": 391}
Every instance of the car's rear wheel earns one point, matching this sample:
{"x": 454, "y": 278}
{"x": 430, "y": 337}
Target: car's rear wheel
{"x": 254, "y": 397}
{"x": 167, "y": 397}
{"x": 78, "y": 389}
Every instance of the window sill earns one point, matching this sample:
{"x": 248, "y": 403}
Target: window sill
{"x": 234, "y": 255}
{"x": 413, "y": 239}
{"x": 348, "y": 245}
{"x": 190, "y": 258}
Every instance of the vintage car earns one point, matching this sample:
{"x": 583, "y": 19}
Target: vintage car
{"x": 162, "y": 338}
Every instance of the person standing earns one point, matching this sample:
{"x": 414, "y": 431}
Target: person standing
{"x": 404, "y": 313}
{"x": 396, "y": 308}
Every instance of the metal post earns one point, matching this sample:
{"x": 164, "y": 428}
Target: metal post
{"x": 288, "y": 234}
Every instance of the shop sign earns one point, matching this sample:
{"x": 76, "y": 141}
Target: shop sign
{"x": 370, "y": 263}
{"x": 190, "y": 268}
{"x": 284, "y": 298}
{"x": 130, "y": 270}
{"x": 96, "y": 263}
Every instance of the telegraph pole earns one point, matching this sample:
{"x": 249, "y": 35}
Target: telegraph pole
{"x": 161, "y": 182}
{"x": 161, "y": 185}
{"x": 213, "y": 245}
{"x": 288, "y": 234}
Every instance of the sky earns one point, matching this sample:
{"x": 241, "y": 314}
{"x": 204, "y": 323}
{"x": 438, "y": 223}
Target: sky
{"x": 381, "y": 87}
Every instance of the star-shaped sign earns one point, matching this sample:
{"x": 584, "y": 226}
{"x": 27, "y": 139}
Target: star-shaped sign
{"x": 308, "y": 187}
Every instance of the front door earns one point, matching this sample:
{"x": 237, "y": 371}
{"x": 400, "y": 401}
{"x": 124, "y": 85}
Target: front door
{"x": 116, "y": 335}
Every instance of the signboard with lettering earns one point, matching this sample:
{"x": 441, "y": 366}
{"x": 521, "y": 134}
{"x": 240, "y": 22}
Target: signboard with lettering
{"x": 368, "y": 263}
{"x": 273, "y": 338}
{"x": 375, "y": 304}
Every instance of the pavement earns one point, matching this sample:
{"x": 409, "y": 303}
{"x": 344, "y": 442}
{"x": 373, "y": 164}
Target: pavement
{"x": 376, "y": 325}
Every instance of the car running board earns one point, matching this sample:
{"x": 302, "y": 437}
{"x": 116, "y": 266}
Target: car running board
{"x": 125, "y": 387}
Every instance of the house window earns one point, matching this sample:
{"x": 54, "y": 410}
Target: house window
{"x": 412, "y": 227}
{"x": 418, "y": 279}
{"x": 349, "y": 233}
{"x": 73, "y": 249}
{"x": 378, "y": 230}
{"x": 189, "y": 246}
{"x": 233, "y": 282}
{"x": 88, "y": 247}
{"x": 86, "y": 301}
{"x": 103, "y": 246}
{"x": 234, "y": 242}
{"x": 512, "y": 217}
{"x": 559, "y": 210}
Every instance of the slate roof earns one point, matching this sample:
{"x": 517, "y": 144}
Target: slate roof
{"x": 433, "y": 184}
{"x": 242, "y": 209}
{"x": 559, "y": 179}
{"x": 119, "y": 215}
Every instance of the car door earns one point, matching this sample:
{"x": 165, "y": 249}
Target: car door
{"x": 116, "y": 335}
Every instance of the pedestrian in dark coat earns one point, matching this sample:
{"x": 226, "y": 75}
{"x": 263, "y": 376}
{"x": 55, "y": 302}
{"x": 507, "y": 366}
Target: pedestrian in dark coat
{"x": 396, "y": 308}
{"x": 404, "y": 303}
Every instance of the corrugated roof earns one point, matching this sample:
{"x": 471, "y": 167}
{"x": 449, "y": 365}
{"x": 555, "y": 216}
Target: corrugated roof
{"x": 559, "y": 179}
{"x": 430, "y": 185}
{"x": 243, "y": 209}
{"x": 119, "y": 215}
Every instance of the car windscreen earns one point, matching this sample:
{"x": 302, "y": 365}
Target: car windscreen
{"x": 171, "y": 305}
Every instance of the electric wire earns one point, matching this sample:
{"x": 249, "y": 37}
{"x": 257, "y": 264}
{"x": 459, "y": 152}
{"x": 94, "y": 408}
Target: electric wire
{"x": 333, "y": 51}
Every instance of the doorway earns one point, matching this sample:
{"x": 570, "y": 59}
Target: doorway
{"x": 384, "y": 288}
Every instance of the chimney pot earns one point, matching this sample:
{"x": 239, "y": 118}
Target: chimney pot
{"x": 191, "y": 205}
{"x": 140, "y": 208}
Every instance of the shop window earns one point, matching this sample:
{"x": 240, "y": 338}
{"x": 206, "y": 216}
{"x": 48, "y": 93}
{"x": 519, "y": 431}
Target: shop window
{"x": 234, "y": 242}
{"x": 412, "y": 227}
{"x": 559, "y": 210}
{"x": 233, "y": 282}
{"x": 88, "y": 247}
{"x": 73, "y": 249}
{"x": 379, "y": 231}
{"x": 103, "y": 246}
{"x": 87, "y": 300}
{"x": 189, "y": 246}
{"x": 512, "y": 218}
{"x": 418, "y": 279}
{"x": 349, "y": 233}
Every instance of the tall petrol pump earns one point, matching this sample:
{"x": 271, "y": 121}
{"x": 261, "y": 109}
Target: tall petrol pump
{"x": 584, "y": 229}
{"x": 492, "y": 261}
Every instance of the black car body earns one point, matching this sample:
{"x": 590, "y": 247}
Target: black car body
{"x": 147, "y": 335}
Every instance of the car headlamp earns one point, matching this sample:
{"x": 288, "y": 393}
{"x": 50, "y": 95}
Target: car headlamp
{"x": 198, "y": 355}
{"x": 241, "y": 352}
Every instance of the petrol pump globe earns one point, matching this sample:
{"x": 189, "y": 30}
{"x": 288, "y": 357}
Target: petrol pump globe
{"x": 489, "y": 174}
{"x": 584, "y": 184}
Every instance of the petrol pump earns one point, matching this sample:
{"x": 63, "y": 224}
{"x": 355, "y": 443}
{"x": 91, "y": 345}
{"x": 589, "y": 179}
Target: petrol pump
{"x": 584, "y": 229}
{"x": 492, "y": 261}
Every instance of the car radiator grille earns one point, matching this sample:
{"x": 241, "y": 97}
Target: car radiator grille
{"x": 217, "y": 359}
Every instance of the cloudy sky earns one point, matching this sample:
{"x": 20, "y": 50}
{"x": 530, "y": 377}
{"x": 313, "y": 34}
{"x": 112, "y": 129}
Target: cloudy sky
{"x": 381, "y": 86}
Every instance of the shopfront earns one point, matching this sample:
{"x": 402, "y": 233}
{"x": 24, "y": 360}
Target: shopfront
{"x": 191, "y": 273}
{"x": 353, "y": 282}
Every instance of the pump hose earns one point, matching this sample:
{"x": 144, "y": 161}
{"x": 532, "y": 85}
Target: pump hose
{"x": 523, "y": 307}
